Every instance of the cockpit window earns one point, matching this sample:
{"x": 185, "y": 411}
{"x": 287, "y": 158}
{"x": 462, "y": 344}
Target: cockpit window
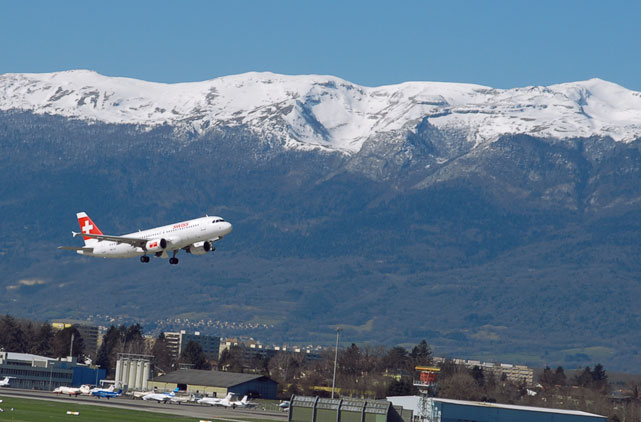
{"x": 218, "y": 220}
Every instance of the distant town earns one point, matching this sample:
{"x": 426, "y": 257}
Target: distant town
{"x": 68, "y": 354}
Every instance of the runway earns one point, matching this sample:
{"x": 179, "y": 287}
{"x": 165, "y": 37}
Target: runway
{"x": 185, "y": 409}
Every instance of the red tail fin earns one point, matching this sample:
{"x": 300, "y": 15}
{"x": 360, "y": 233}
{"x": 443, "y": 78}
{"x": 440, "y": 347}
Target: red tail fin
{"x": 87, "y": 225}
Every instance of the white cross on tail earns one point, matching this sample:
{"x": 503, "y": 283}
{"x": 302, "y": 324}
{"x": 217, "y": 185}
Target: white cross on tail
{"x": 87, "y": 227}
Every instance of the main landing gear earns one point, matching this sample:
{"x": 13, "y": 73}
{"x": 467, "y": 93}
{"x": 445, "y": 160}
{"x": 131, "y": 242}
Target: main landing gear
{"x": 173, "y": 260}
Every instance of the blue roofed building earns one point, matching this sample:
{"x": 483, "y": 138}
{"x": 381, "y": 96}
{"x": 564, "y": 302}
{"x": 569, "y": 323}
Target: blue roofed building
{"x": 447, "y": 410}
{"x": 35, "y": 372}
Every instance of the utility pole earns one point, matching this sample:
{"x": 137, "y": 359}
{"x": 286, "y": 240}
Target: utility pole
{"x": 71, "y": 346}
{"x": 338, "y": 330}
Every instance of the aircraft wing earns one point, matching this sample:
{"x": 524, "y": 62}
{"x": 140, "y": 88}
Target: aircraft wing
{"x": 75, "y": 248}
{"x": 118, "y": 239}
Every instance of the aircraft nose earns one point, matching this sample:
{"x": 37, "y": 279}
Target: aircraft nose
{"x": 228, "y": 228}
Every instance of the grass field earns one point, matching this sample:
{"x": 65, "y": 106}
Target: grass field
{"x": 26, "y": 410}
{"x": 41, "y": 410}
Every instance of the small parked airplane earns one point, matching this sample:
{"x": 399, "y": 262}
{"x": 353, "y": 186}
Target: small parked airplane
{"x": 212, "y": 401}
{"x": 160, "y": 397}
{"x": 106, "y": 394}
{"x": 5, "y": 382}
{"x": 244, "y": 403}
{"x": 284, "y": 404}
{"x": 183, "y": 399}
{"x": 194, "y": 236}
{"x": 72, "y": 391}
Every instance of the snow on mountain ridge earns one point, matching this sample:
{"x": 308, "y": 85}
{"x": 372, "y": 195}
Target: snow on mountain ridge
{"x": 308, "y": 111}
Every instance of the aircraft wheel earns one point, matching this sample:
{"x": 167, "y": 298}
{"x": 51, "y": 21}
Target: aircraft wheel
{"x": 173, "y": 261}
{"x": 144, "y": 258}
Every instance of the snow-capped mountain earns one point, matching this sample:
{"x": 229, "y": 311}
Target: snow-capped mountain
{"x": 311, "y": 111}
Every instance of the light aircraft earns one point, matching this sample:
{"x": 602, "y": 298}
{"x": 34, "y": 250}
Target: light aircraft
{"x": 194, "y": 236}
{"x": 5, "y": 382}
{"x": 244, "y": 403}
{"x": 284, "y": 405}
{"x": 139, "y": 394}
{"x": 183, "y": 399}
{"x": 101, "y": 389}
{"x": 106, "y": 393}
{"x": 160, "y": 397}
{"x": 72, "y": 391}
{"x": 212, "y": 401}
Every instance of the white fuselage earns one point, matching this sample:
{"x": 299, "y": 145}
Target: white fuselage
{"x": 159, "y": 397}
{"x": 178, "y": 236}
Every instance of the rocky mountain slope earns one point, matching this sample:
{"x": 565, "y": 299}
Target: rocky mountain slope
{"x": 488, "y": 234}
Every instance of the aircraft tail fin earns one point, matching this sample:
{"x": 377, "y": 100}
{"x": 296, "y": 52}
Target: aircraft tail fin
{"x": 87, "y": 226}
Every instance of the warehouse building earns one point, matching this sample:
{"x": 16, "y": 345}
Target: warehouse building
{"x": 447, "y": 410}
{"x": 216, "y": 383}
{"x": 316, "y": 409}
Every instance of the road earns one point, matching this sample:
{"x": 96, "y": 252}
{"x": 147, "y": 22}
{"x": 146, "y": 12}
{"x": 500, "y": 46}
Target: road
{"x": 189, "y": 410}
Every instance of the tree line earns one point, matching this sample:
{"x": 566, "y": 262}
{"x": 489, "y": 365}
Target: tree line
{"x": 365, "y": 371}
{"x": 39, "y": 338}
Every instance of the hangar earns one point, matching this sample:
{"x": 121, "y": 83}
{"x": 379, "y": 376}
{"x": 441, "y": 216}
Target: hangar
{"x": 217, "y": 382}
{"x": 317, "y": 409}
{"x": 447, "y": 410}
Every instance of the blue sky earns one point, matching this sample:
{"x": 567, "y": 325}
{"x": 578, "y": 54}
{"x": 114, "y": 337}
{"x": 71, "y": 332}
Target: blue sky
{"x": 498, "y": 43}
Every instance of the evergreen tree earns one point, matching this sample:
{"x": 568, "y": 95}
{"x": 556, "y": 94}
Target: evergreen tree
{"x": 547, "y": 378}
{"x": 231, "y": 359}
{"x": 422, "y": 354}
{"x": 477, "y": 374}
{"x": 349, "y": 361}
{"x": 584, "y": 379}
{"x": 102, "y": 358}
{"x": 62, "y": 341}
{"x": 194, "y": 355}
{"x": 162, "y": 357}
{"x": 559, "y": 376}
{"x": 44, "y": 338}
{"x": 397, "y": 359}
{"x": 11, "y": 335}
{"x": 599, "y": 377}
{"x": 400, "y": 388}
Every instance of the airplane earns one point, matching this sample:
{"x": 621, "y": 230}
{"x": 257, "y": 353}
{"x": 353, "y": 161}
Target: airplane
{"x": 71, "y": 391}
{"x": 284, "y": 405}
{"x": 183, "y": 399}
{"x": 244, "y": 403}
{"x": 212, "y": 401}
{"x": 109, "y": 393}
{"x": 5, "y": 382}
{"x": 99, "y": 389}
{"x": 194, "y": 236}
{"x": 160, "y": 397}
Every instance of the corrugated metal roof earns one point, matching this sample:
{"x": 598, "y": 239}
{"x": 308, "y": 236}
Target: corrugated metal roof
{"x": 27, "y": 357}
{"x": 413, "y": 403}
{"x": 208, "y": 378}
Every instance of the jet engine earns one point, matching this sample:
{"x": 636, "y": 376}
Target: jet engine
{"x": 199, "y": 248}
{"x": 156, "y": 245}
